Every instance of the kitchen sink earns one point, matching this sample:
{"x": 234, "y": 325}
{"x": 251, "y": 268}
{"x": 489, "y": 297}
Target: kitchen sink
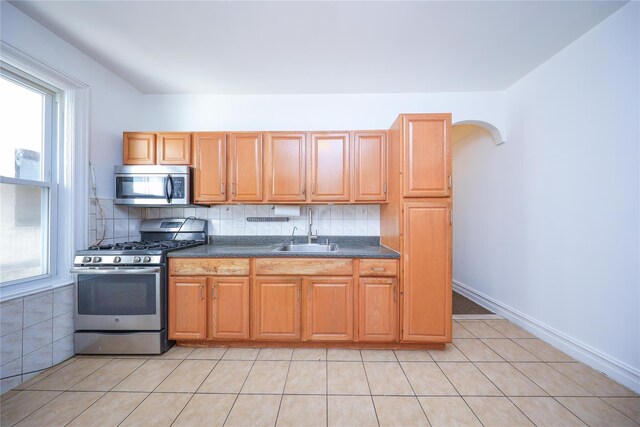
{"x": 308, "y": 247}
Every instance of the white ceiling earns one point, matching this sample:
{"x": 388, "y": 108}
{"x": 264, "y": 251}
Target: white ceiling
{"x": 319, "y": 47}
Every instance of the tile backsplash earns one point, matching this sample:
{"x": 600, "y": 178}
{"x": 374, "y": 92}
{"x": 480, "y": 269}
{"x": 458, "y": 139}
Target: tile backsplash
{"x": 121, "y": 223}
{"x": 335, "y": 220}
{"x": 36, "y": 332}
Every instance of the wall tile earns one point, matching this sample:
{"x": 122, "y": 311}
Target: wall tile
{"x": 107, "y": 208}
{"x": 11, "y": 368}
{"x": 373, "y": 227}
{"x": 11, "y": 317}
{"x": 105, "y": 228}
{"x": 251, "y": 210}
{"x": 63, "y": 300}
{"x": 349, "y": 227}
{"x": 120, "y": 228}
{"x": 9, "y": 383}
{"x": 92, "y": 222}
{"x": 62, "y": 326}
{"x": 275, "y": 228}
{"x": 11, "y": 346}
{"x": 324, "y": 212}
{"x": 226, "y": 212}
{"x": 37, "y": 336}
{"x": 237, "y": 211}
{"x": 337, "y": 212}
{"x": 166, "y": 213}
{"x": 361, "y": 227}
{"x": 373, "y": 212}
{"x": 349, "y": 212}
{"x": 38, "y": 360}
{"x": 177, "y": 212}
{"x": 134, "y": 226}
{"x": 62, "y": 349}
{"x": 153, "y": 213}
{"x": 263, "y": 210}
{"x": 336, "y": 227}
{"x": 136, "y": 212}
{"x": 361, "y": 211}
{"x": 213, "y": 212}
{"x": 120, "y": 212}
{"x": 189, "y": 212}
{"x": 38, "y": 309}
{"x": 202, "y": 213}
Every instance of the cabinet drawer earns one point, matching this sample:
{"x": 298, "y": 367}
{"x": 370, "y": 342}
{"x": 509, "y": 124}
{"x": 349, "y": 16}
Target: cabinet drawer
{"x": 209, "y": 266}
{"x": 378, "y": 267}
{"x": 304, "y": 266}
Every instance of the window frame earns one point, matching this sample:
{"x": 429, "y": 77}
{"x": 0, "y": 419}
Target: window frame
{"x": 68, "y": 173}
{"x": 51, "y": 143}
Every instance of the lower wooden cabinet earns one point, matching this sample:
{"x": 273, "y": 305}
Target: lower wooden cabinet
{"x": 378, "y": 309}
{"x": 187, "y": 308}
{"x": 228, "y": 308}
{"x": 276, "y": 309}
{"x": 329, "y": 309}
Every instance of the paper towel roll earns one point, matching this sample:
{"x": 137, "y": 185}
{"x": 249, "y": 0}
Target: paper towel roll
{"x": 286, "y": 210}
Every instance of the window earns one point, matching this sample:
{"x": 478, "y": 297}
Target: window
{"x": 28, "y": 196}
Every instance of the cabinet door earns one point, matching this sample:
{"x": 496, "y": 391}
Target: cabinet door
{"x": 276, "y": 309}
{"x": 370, "y": 159}
{"x": 138, "y": 148}
{"x": 187, "y": 308}
{"x": 329, "y": 309}
{"x": 285, "y": 164}
{"x": 174, "y": 148}
{"x": 426, "y": 252}
{"x": 210, "y": 172}
{"x": 229, "y": 308}
{"x": 427, "y": 155}
{"x": 378, "y": 309}
{"x": 246, "y": 166}
{"x": 330, "y": 167}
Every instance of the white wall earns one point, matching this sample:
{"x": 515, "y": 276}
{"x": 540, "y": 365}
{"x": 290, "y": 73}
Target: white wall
{"x": 115, "y": 105}
{"x": 311, "y": 112}
{"x": 547, "y": 225}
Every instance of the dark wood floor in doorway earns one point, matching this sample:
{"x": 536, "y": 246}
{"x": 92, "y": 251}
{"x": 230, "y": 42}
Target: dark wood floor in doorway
{"x": 463, "y": 305}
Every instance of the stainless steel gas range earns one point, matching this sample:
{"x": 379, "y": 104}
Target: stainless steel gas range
{"x": 121, "y": 289}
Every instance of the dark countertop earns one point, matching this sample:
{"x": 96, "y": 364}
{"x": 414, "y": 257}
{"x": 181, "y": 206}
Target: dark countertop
{"x": 262, "y": 247}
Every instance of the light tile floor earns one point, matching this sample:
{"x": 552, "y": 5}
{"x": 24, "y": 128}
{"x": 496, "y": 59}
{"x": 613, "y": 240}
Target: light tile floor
{"x": 494, "y": 373}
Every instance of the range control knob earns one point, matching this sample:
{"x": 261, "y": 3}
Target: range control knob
{"x": 117, "y": 259}
{"x": 86, "y": 259}
{"x": 97, "y": 259}
{"x": 136, "y": 259}
{"x": 147, "y": 259}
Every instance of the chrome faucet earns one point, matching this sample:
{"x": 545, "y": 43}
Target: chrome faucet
{"x": 292, "y": 233}
{"x": 310, "y": 235}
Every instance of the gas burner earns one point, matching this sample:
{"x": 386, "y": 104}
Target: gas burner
{"x": 101, "y": 247}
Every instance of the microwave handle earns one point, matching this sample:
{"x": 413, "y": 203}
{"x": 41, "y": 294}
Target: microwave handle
{"x": 168, "y": 188}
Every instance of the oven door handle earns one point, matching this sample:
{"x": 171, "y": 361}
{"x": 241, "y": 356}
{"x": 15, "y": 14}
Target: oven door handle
{"x": 115, "y": 270}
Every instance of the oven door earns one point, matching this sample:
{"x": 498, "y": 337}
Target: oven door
{"x": 119, "y": 299}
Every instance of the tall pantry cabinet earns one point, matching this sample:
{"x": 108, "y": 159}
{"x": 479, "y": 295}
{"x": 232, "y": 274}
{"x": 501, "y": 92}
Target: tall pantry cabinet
{"x": 416, "y": 222}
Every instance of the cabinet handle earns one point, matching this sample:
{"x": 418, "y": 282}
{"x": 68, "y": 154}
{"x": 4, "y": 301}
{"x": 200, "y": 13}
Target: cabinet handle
{"x": 450, "y": 181}
{"x": 222, "y": 187}
{"x": 384, "y": 188}
{"x": 313, "y": 188}
{"x": 304, "y": 190}
{"x": 233, "y": 188}
{"x": 213, "y": 292}
{"x": 201, "y": 287}
{"x": 377, "y": 268}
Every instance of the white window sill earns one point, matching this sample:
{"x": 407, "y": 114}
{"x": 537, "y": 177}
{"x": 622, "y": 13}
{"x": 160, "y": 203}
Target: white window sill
{"x": 27, "y": 289}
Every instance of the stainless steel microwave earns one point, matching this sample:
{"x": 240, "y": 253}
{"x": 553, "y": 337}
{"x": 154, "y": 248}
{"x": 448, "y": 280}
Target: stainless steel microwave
{"x": 153, "y": 185}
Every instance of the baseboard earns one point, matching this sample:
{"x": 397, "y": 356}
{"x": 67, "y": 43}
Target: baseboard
{"x": 611, "y": 367}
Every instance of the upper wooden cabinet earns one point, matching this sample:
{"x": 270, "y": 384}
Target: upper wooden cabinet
{"x": 229, "y": 308}
{"x": 210, "y": 173}
{"x": 187, "y": 308}
{"x": 174, "y": 148}
{"x": 329, "y": 309}
{"x": 427, "y": 155}
{"x": 426, "y": 252}
{"x": 330, "y": 166}
{"x": 378, "y": 309}
{"x": 285, "y": 167}
{"x": 246, "y": 167}
{"x": 276, "y": 309}
{"x": 138, "y": 148}
{"x": 370, "y": 164}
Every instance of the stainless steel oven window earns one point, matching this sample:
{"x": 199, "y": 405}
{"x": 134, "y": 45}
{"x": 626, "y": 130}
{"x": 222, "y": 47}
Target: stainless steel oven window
{"x": 116, "y": 295}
